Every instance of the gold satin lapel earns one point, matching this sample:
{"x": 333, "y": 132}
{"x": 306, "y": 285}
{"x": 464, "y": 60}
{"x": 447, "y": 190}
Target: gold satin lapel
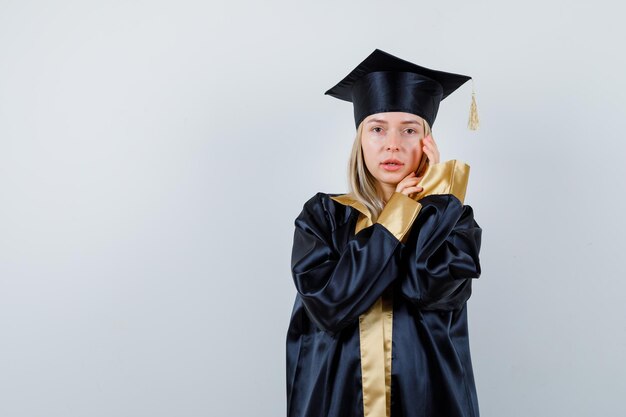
{"x": 372, "y": 361}
{"x": 374, "y": 337}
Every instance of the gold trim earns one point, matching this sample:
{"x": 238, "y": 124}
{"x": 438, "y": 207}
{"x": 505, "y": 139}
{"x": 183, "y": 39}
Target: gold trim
{"x": 372, "y": 334}
{"x": 399, "y": 214}
{"x": 449, "y": 177}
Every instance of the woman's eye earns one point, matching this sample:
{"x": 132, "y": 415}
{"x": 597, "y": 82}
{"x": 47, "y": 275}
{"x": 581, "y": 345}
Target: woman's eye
{"x": 377, "y": 131}
{"x": 412, "y": 130}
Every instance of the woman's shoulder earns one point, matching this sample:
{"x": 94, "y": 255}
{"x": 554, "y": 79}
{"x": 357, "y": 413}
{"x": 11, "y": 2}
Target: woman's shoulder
{"x": 334, "y": 207}
{"x": 328, "y": 199}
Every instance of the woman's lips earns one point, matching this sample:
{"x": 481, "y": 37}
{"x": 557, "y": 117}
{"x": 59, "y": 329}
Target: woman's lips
{"x": 391, "y": 167}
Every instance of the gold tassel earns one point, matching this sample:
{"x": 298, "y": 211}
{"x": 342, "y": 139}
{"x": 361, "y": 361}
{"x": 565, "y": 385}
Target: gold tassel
{"x": 473, "y": 121}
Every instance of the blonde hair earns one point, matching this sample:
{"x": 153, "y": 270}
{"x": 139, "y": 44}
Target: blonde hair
{"x": 361, "y": 181}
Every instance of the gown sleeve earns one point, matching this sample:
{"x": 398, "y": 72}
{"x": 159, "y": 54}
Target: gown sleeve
{"x": 445, "y": 257}
{"x": 336, "y": 285}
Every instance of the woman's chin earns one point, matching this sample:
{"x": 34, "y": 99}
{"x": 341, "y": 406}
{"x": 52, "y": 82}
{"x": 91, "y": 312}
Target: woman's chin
{"x": 390, "y": 179}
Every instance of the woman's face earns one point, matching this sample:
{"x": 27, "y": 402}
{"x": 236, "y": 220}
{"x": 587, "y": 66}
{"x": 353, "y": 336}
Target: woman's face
{"x": 392, "y": 135}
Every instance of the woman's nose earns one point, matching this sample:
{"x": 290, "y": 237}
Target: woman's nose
{"x": 392, "y": 141}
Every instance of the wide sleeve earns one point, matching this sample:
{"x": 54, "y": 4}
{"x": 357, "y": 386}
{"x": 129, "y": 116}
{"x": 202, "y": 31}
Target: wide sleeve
{"x": 337, "y": 284}
{"x": 445, "y": 255}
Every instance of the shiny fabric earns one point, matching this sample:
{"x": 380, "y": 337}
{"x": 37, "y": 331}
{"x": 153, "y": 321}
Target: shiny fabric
{"x": 383, "y": 82}
{"x": 375, "y": 325}
{"x": 384, "y": 91}
{"x": 340, "y": 274}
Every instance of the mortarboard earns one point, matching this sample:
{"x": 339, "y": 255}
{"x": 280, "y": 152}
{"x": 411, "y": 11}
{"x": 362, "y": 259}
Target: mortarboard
{"x": 384, "y": 83}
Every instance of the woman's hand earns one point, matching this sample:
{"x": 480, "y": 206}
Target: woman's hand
{"x": 430, "y": 149}
{"x": 409, "y": 184}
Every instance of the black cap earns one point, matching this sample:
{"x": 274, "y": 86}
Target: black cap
{"x": 384, "y": 83}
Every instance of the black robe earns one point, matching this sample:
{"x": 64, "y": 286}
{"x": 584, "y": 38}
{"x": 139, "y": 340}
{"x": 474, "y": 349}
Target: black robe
{"x": 379, "y": 323}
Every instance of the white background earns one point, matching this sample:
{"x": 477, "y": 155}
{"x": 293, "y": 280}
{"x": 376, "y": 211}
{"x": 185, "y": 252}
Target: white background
{"x": 154, "y": 155}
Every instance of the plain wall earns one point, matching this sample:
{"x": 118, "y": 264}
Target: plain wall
{"x": 154, "y": 156}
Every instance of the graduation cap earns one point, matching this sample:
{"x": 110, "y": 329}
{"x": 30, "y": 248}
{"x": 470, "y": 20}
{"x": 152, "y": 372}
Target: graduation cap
{"x": 385, "y": 83}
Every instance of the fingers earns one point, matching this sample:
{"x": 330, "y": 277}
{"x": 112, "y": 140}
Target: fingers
{"x": 410, "y": 191}
{"x": 430, "y": 149}
{"x": 409, "y": 185}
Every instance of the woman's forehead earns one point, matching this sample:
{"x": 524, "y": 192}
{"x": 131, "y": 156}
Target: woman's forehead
{"x": 395, "y": 116}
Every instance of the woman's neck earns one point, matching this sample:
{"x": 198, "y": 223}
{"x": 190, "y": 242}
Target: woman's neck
{"x": 385, "y": 191}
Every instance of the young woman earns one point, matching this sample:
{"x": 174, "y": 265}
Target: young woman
{"x": 383, "y": 273}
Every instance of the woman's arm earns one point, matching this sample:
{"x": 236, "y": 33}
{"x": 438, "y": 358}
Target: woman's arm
{"x": 446, "y": 255}
{"x": 338, "y": 285}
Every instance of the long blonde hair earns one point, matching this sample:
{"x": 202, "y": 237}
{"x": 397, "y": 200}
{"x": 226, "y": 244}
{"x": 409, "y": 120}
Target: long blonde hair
{"x": 361, "y": 181}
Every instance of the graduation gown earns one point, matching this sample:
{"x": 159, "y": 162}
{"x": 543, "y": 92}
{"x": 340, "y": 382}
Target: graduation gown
{"x": 379, "y": 323}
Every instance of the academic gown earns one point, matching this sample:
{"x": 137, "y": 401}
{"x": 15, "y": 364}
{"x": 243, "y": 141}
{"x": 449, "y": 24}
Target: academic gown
{"x": 379, "y": 322}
